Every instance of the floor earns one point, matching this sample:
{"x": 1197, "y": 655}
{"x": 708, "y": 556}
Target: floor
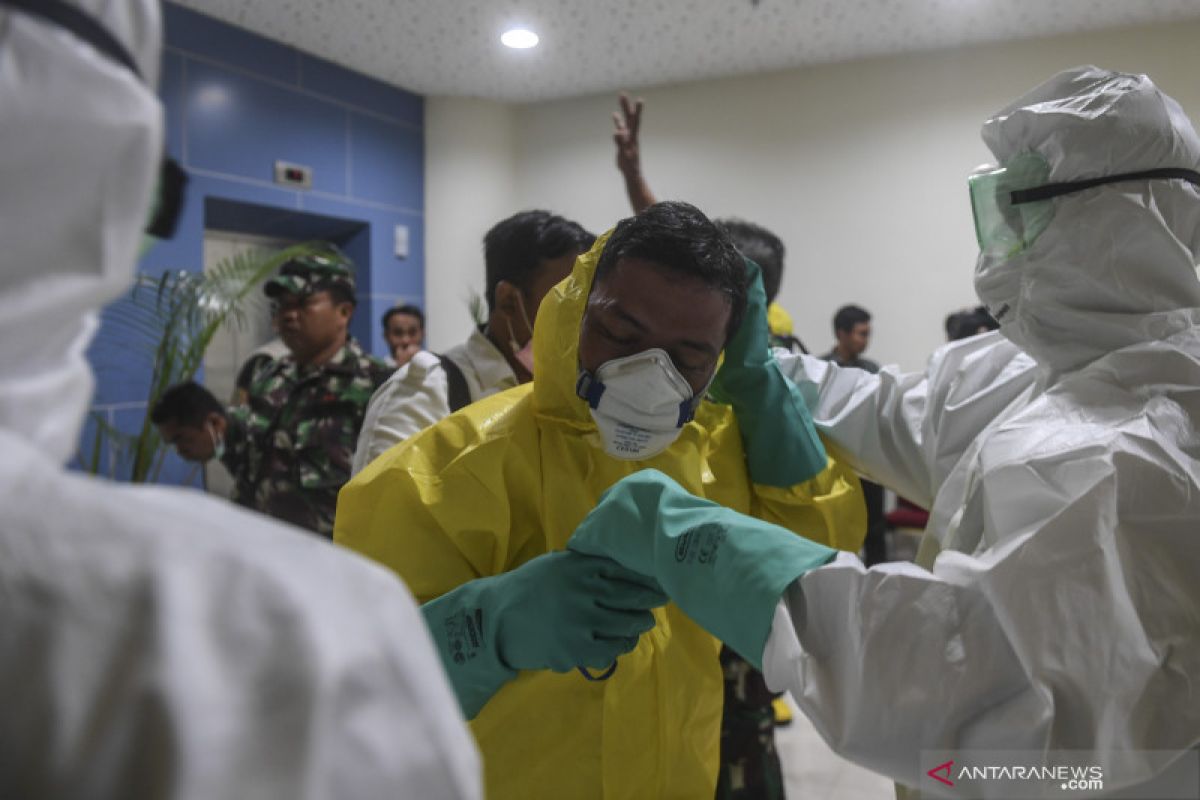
{"x": 811, "y": 770}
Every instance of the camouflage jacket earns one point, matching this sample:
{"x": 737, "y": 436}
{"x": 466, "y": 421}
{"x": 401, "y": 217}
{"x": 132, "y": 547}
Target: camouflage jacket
{"x": 290, "y": 446}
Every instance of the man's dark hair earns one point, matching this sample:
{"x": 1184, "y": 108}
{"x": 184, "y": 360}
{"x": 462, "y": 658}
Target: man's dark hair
{"x": 848, "y": 316}
{"x": 964, "y": 324}
{"x": 679, "y": 237}
{"x": 515, "y": 247}
{"x": 760, "y": 246}
{"x": 409, "y": 310}
{"x": 185, "y": 404}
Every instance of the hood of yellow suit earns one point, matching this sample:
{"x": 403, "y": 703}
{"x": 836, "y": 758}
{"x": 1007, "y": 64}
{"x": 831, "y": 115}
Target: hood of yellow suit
{"x": 556, "y": 343}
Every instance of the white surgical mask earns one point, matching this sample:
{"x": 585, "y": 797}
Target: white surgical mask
{"x": 640, "y": 403}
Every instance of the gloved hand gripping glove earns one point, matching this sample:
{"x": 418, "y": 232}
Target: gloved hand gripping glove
{"x": 781, "y": 443}
{"x": 726, "y": 570}
{"x": 558, "y": 611}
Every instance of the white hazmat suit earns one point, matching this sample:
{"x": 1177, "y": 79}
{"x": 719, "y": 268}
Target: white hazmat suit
{"x": 156, "y": 643}
{"x": 1057, "y": 602}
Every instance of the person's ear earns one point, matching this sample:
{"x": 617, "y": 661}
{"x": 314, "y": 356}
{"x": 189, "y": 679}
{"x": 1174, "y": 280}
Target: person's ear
{"x": 217, "y": 422}
{"x": 345, "y": 311}
{"x": 506, "y": 297}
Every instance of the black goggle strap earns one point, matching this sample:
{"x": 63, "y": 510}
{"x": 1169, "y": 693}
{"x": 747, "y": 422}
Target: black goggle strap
{"x": 79, "y": 23}
{"x": 1051, "y": 190}
{"x": 169, "y": 205}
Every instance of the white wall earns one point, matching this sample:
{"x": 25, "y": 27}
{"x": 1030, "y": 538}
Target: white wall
{"x": 860, "y": 168}
{"x": 470, "y": 181}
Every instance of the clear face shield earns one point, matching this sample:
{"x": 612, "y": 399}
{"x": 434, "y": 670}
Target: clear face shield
{"x": 1002, "y": 227}
{"x": 1013, "y": 205}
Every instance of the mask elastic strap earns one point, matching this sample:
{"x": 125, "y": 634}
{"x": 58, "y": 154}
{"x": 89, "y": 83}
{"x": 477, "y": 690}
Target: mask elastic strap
{"x": 524, "y": 316}
{"x": 218, "y": 441}
{"x": 588, "y": 388}
{"x": 80, "y": 24}
{"x": 687, "y": 412}
{"x": 1051, "y": 190}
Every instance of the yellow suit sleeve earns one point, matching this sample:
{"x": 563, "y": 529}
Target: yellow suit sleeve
{"x": 446, "y": 507}
{"x": 828, "y": 508}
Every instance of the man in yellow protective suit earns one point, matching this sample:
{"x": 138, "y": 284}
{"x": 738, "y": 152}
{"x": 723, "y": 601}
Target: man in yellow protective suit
{"x": 625, "y": 350}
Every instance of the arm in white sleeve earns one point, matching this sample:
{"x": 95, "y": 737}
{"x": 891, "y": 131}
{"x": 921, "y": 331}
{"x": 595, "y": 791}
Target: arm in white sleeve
{"x": 1072, "y": 633}
{"x": 907, "y": 430}
{"x": 416, "y": 396}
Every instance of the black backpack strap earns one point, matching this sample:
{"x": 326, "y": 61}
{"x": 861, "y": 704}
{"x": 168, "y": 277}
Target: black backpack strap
{"x": 456, "y": 382}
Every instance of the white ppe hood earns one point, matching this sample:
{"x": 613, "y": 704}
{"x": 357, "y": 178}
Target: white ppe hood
{"x": 81, "y": 136}
{"x": 1117, "y": 264}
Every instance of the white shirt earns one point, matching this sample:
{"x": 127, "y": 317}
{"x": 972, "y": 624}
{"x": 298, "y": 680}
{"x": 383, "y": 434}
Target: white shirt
{"x": 417, "y": 395}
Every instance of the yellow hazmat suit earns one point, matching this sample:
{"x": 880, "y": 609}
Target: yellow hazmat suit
{"x": 509, "y": 478}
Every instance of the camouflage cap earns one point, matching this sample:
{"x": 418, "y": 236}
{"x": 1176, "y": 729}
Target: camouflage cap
{"x": 312, "y": 273}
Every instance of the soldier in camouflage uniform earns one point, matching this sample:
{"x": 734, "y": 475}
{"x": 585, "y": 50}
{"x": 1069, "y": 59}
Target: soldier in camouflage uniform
{"x": 289, "y": 448}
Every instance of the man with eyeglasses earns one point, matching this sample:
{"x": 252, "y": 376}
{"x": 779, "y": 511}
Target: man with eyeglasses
{"x": 289, "y": 447}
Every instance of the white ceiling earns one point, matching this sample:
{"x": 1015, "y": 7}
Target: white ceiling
{"x": 452, "y": 47}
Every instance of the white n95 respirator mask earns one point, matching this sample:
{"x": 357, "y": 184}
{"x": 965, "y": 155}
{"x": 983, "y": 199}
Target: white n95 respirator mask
{"x": 640, "y": 403}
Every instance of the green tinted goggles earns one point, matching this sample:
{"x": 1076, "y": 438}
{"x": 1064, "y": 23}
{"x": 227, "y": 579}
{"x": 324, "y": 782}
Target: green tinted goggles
{"x": 1012, "y": 204}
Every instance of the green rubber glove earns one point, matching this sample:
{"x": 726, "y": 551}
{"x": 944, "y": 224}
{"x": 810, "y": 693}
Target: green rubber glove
{"x": 726, "y": 570}
{"x": 559, "y": 611}
{"x": 781, "y": 443}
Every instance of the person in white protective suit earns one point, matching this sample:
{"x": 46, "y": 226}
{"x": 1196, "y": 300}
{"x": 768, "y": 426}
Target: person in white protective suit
{"x": 1055, "y": 602}
{"x": 156, "y": 643}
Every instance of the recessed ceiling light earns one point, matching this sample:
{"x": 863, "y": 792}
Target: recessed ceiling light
{"x": 519, "y": 38}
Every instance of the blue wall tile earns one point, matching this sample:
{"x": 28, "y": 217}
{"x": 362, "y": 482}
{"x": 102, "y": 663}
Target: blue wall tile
{"x": 387, "y": 162}
{"x": 170, "y": 90}
{"x": 325, "y": 78}
{"x": 241, "y": 126}
{"x": 198, "y": 34}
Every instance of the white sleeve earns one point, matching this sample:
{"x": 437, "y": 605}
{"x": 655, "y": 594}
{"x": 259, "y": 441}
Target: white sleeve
{"x": 1075, "y": 630}
{"x": 416, "y": 396}
{"x": 908, "y": 430}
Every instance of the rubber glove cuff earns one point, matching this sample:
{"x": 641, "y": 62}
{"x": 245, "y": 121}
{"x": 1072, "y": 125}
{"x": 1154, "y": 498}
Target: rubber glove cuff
{"x": 781, "y": 443}
{"x": 464, "y": 630}
{"x": 726, "y": 570}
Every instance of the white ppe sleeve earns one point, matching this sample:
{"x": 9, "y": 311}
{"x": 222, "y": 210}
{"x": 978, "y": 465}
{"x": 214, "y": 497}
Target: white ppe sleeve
{"x": 1067, "y": 634}
{"x": 908, "y": 430}
{"x": 416, "y": 396}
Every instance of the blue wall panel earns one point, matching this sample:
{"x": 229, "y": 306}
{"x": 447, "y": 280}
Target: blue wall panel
{"x": 205, "y": 38}
{"x": 338, "y": 83}
{"x": 234, "y": 103}
{"x": 386, "y": 162}
{"x": 170, "y": 90}
{"x": 237, "y": 125}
